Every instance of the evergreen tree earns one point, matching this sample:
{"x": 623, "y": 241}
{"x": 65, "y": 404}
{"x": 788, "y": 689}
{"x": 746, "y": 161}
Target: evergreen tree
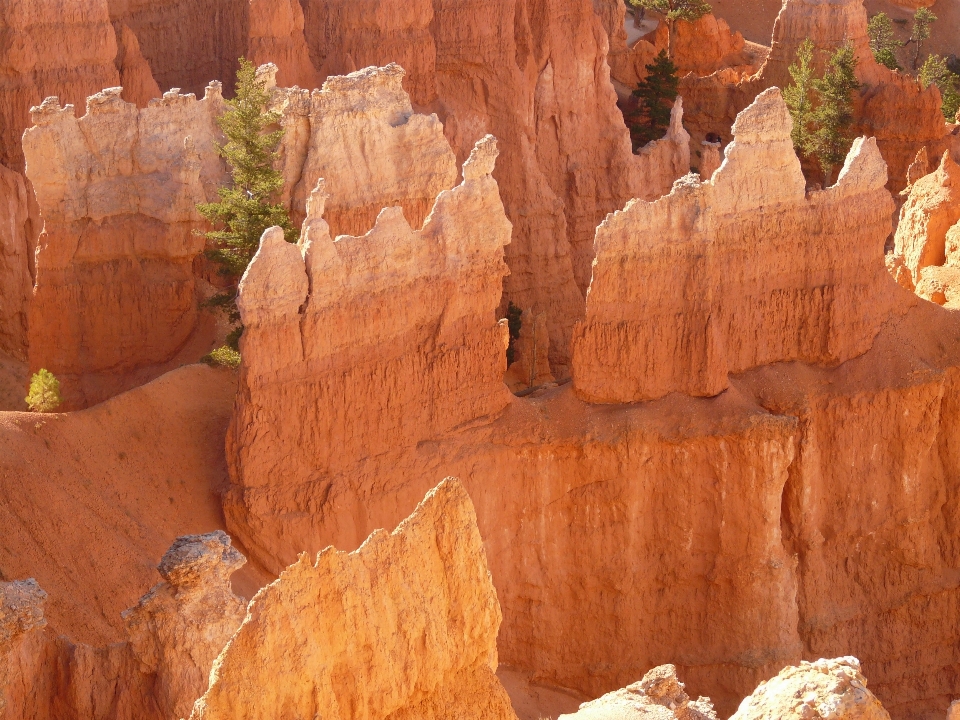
{"x": 936, "y": 72}
{"x": 883, "y": 42}
{"x": 44, "y": 394}
{"x": 673, "y": 10}
{"x": 656, "y": 92}
{"x": 246, "y": 207}
{"x": 799, "y": 98}
{"x": 833, "y": 115}
{"x": 922, "y": 20}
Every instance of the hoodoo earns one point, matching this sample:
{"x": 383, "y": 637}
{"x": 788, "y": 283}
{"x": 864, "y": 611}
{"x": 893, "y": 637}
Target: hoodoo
{"x": 637, "y": 323}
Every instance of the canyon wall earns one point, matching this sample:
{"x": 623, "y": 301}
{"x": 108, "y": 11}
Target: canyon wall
{"x": 19, "y": 229}
{"x": 115, "y": 290}
{"x": 404, "y": 627}
{"x": 762, "y": 493}
{"x": 709, "y": 305}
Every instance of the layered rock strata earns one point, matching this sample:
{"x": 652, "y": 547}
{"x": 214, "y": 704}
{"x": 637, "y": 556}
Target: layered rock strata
{"x": 115, "y": 291}
{"x": 690, "y": 324}
{"x": 810, "y": 535}
{"x": 175, "y": 633}
{"x": 404, "y": 627}
{"x": 360, "y": 134}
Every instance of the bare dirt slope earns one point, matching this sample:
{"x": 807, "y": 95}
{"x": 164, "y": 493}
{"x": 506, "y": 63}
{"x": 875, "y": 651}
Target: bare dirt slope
{"x": 754, "y": 19}
{"x": 90, "y": 500}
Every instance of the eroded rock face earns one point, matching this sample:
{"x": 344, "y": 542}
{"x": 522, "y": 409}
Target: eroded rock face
{"x": 445, "y": 344}
{"x": 659, "y": 695}
{"x": 179, "y": 628}
{"x": 19, "y": 228}
{"x": 360, "y": 134}
{"x": 275, "y": 35}
{"x": 404, "y": 627}
{"x": 118, "y": 188}
{"x": 821, "y": 689}
{"x": 932, "y": 210}
{"x": 684, "y": 327}
{"x": 175, "y": 633}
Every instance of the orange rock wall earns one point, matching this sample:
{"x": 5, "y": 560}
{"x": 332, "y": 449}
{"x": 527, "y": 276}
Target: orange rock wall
{"x": 680, "y": 298}
{"x": 115, "y": 291}
{"x": 18, "y": 236}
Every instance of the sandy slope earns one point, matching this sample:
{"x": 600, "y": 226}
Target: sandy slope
{"x": 90, "y": 500}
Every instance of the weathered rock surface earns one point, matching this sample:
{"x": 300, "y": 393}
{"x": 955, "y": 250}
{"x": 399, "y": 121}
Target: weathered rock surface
{"x": 275, "y": 35}
{"x": 821, "y": 689}
{"x": 360, "y": 134}
{"x": 659, "y": 696}
{"x": 404, "y": 627}
{"x": 679, "y": 297}
{"x": 930, "y": 212}
{"x": 19, "y": 228}
{"x": 115, "y": 296}
{"x": 176, "y": 632}
{"x": 136, "y": 78}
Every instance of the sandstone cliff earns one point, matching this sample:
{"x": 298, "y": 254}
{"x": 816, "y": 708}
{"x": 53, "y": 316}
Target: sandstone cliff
{"x": 930, "y": 213}
{"x": 115, "y": 294}
{"x": 691, "y": 322}
{"x": 360, "y": 134}
{"x": 176, "y": 632}
{"x": 19, "y": 228}
{"x": 404, "y": 627}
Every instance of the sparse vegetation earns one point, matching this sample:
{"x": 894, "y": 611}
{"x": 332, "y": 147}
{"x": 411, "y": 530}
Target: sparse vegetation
{"x": 657, "y": 93}
{"x": 514, "y": 323}
{"x": 822, "y": 108}
{"x": 935, "y": 71}
{"x": 247, "y": 206}
{"x": 223, "y": 356}
{"x": 44, "y": 393}
{"x": 883, "y": 42}
{"x": 673, "y": 10}
{"x": 922, "y": 20}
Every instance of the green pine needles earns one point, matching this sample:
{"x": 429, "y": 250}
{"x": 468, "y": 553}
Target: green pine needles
{"x": 936, "y": 72}
{"x": 822, "y": 108}
{"x": 246, "y": 207}
{"x": 657, "y": 93}
{"x": 44, "y": 393}
{"x": 673, "y": 10}
{"x": 883, "y": 42}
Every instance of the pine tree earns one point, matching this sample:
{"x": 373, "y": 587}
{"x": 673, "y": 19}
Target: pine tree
{"x": 656, "y": 92}
{"x": 799, "y": 98}
{"x": 833, "y": 115}
{"x": 883, "y": 42}
{"x": 673, "y": 10}
{"x": 922, "y": 20}
{"x": 246, "y": 208}
{"x": 44, "y": 394}
{"x": 935, "y": 71}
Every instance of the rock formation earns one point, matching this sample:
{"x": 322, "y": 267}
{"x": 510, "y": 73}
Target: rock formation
{"x": 821, "y": 689}
{"x": 19, "y": 228}
{"x": 404, "y": 627}
{"x": 275, "y": 35}
{"x": 115, "y": 292}
{"x": 931, "y": 211}
{"x": 683, "y": 328}
{"x": 360, "y": 134}
{"x": 658, "y": 695}
{"x": 136, "y": 78}
{"x": 176, "y": 632}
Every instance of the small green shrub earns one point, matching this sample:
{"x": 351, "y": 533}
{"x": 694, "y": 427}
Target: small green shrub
{"x": 44, "y": 394}
{"x": 223, "y": 356}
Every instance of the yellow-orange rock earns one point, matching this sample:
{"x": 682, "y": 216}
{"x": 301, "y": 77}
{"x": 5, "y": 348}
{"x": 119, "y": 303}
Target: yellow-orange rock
{"x": 834, "y": 689}
{"x": 115, "y": 293}
{"x": 19, "y": 228}
{"x": 680, "y": 298}
{"x": 360, "y": 134}
{"x": 929, "y": 213}
{"x": 136, "y": 78}
{"x": 404, "y": 627}
{"x": 275, "y": 35}
{"x": 659, "y": 695}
